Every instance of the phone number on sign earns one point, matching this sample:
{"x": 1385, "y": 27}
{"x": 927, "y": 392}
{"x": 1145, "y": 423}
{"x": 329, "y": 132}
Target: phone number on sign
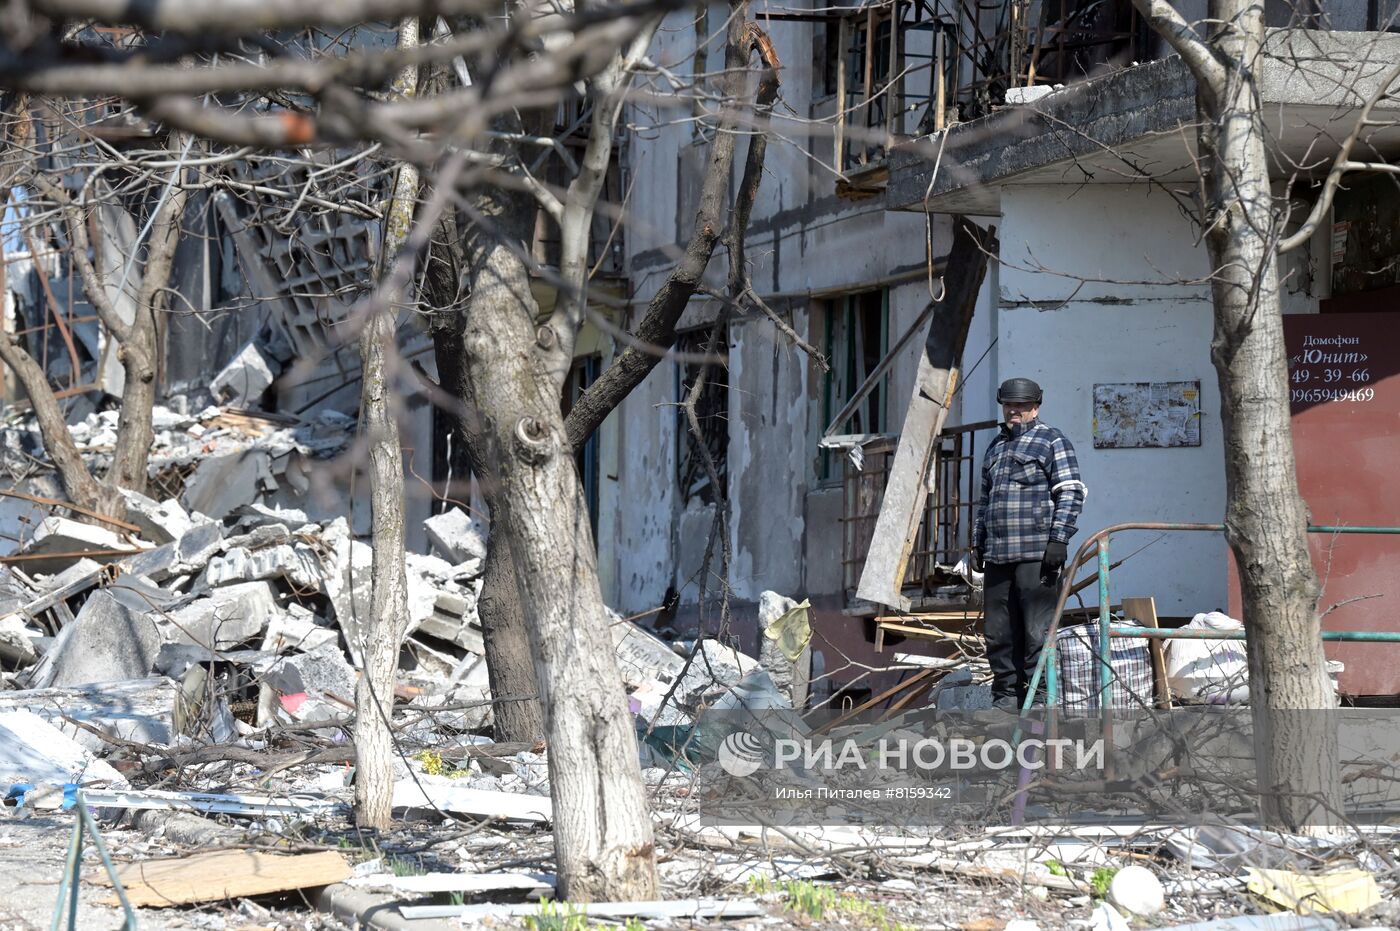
{"x": 1312, "y": 395}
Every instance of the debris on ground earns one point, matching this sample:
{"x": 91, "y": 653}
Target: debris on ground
{"x": 190, "y": 673}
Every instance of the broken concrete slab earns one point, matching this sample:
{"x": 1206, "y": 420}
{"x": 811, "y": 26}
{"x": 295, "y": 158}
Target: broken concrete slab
{"x": 107, "y": 642}
{"x": 134, "y": 709}
{"x": 160, "y": 521}
{"x": 58, "y": 542}
{"x": 84, "y": 570}
{"x": 33, "y": 751}
{"x": 642, "y": 657}
{"x": 225, "y": 618}
{"x": 242, "y": 382}
{"x": 17, "y": 641}
{"x": 298, "y": 564}
{"x": 187, "y": 555}
{"x": 314, "y": 686}
{"x": 456, "y": 536}
{"x": 716, "y": 666}
{"x": 323, "y": 671}
{"x": 257, "y": 514}
{"x": 296, "y": 628}
{"x": 453, "y": 618}
{"x": 272, "y": 533}
{"x": 220, "y": 484}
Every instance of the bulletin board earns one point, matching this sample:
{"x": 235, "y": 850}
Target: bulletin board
{"x": 1147, "y": 414}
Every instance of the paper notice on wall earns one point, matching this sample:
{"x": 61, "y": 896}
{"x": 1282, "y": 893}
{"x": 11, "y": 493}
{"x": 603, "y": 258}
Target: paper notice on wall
{"x": 1158, "y": 414}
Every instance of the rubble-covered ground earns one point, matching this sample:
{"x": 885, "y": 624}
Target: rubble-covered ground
{"x": 193, "y": 670}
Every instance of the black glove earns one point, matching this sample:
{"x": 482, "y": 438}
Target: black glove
{"x": 976, "y": 559}
{"x": 1053, "y": 561}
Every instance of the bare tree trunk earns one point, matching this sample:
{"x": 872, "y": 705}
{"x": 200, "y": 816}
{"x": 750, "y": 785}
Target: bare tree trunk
{"x": 516, "y": 712}
{"x": 1266, "y": 520}
{"x": 603, "y": 832}
{"x": 383, "y": 632}
{"x": 139, "y": 342}
{"x": 510, "y": 668}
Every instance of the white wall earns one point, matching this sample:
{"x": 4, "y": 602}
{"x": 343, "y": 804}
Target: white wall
{"x": 1094, "y": 288}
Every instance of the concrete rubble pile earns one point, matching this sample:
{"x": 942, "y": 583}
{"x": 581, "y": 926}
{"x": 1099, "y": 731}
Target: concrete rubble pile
{"x": 188, "y": 662}
{"x": 262, "y": 609}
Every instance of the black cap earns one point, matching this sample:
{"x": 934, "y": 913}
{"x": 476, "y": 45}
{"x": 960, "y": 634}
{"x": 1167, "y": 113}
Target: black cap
{"x": 1019, "y": 391}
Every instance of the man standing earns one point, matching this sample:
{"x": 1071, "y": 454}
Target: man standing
{"x": 1031, "y": 498}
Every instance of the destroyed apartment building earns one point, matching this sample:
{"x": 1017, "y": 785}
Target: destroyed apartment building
{"x": 199, "y": 654}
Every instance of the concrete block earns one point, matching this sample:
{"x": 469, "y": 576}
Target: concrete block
{"x": 195, "y": 548}
{"x": 642, "y": 657}
{"x": 347, "y": 585}
{"x": 17, "y": 641}
{"x": 257, "y": 514}
{"x": 297, "y": 564}
{"x": 220, "y": 484}
{"x": 454, "y": 619}
{"x": 80, "y": 571}
{"x": 302, "y": 686}
{"x": 715, "y": 666}
{"x": 456, "y": 536}
{"x": 242, "y": 382}
{"x": 160, "y": 521}
{"x": 224, "y": 619}
{"x": 107, "y": 642}
{"x": 57, "y": 539}
{"x": 296, "y": 628}
{"x": 264, "y": 535}
{"x": 187, "y": 555}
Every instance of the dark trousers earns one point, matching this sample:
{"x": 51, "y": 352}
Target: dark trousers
{"x": 1018, "y": 607}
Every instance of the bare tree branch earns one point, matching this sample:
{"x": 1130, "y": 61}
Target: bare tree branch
{"x": 243, "y": 17}
{"x": 1342, "y": 165}
{"x": 608, "y": 91}
{"x": 658, "y": 327}
{"x": 94, "y": 281}
{"x": 1182, "y": 36}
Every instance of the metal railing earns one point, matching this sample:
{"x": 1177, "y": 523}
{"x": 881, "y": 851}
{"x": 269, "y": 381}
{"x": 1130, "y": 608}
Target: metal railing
{"x": 1098, "y": 545}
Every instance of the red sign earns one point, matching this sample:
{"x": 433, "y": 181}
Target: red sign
{"x": 1344, "y": 377}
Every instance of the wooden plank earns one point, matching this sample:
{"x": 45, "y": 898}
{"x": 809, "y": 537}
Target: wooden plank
{"x": 223, "y": 875}
{"x": 932, "y": 633}
{"x": 843, "y": 42}
{"x": 906, "y": 490}
{"x": 1144, "y": 611}
{"x": 868, "y": 86}
{"x": 915, "y": 680}
{"x": 932, "y": 662}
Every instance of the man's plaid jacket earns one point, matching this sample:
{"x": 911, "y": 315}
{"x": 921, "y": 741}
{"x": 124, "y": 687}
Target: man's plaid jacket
{"x": 1031, "y": 493}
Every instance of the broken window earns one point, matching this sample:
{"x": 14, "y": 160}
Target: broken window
{"x": 871, "y": 50}
{"x": 892, "y": 65}
{"x": 711, "y": 410}
{"x": 857, "y": 337}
